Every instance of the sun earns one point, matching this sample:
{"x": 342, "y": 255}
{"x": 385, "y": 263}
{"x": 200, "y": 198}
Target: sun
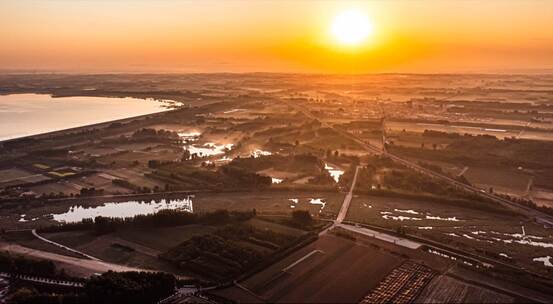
{"x": 351, "y": 27}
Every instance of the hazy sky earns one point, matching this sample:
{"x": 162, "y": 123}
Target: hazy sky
{"x": 273, "y": 36}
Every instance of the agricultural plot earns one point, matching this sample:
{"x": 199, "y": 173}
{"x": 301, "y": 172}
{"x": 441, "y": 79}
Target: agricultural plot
{"x": 445, "y": 289}
{"x": 402, "y": 285}
{"x": 15, "y": 176}
{"x": 508, "y": 237}
{"x": 57, "y": 187}
{"x": 7, "y": 175}
{"x": 232, "y": 250}
{"x": 512, "y": 182}
{"x": 330, "y": 270}
{"x": 131, "y": 247}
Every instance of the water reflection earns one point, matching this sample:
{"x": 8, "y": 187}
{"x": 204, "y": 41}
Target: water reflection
{"x": 546, "y": 260}
{"x": 123, "y": 209}
{"x": 30, "y": 114}
{"x": 334, "y": 172}
{"x": 208, "y": 149}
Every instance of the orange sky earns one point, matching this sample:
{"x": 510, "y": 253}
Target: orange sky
{"x": 274, "y": 36}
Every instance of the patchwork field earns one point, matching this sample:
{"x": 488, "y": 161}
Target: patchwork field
{"x": 330, "y": 270}
{"x": 130, "y": 247}
{"x": 445, "y": 289}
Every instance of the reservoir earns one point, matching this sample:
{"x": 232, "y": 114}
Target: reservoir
{"x": 31, "y": 114}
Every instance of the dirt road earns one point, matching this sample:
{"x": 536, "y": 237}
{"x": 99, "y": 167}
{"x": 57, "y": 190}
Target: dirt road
{"x": 74, "y": 266}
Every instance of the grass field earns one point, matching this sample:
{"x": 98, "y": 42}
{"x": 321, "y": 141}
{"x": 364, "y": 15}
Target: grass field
{"x": 270, "y": 202}
{"x": 502, "y": 180}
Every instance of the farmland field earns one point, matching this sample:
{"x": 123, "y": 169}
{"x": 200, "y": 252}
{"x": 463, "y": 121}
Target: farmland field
{"x": 445, "y": 289}
{"x": 330, "y": 270}
{"x": 511, "y": 238}
{"x": 131, "y": 247}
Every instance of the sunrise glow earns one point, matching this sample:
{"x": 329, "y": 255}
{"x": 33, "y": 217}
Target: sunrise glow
{"x": 351, "y": 27}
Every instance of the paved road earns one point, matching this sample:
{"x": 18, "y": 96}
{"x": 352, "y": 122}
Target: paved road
{"x": 345, "y": 205}
{"x": 347, "y": 200}
{"x": 382, "y": 236}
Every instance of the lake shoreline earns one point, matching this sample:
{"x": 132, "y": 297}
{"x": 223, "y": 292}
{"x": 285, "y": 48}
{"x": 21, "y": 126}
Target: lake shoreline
{"x": 94, "y": 125}
{"x": 101, "y": 124}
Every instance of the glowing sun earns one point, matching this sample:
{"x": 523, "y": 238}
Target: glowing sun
{"x": 351, "y": 27}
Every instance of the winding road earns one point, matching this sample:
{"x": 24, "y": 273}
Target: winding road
{"x": 85, "y": 267}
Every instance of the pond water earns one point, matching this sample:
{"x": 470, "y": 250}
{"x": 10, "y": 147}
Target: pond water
{"x": 546, "y": 260}
{"x": 257, "y": 153}
{"x": 509, "y": 238}
{"x": 77, "y": 213}
{"x": 406, "y": 211}
{"x": 334, "y": 172}
{"x": 387, "y": 215}
{"x": 189, "y": 136}
{"x": 31, "y": 114}
{"x": 318, "y": 201}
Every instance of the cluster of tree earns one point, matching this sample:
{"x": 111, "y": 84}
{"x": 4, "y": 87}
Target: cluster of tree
{"x": 129, "y": 287}
{"x": 156, "y": 163}
{"x": 91, "y": 191}
{"x": 153, "y": 134}
{"x": 212, "y": 256}
{"x": 529, "y": 203}
{"x": 440, "y": 134}
{"x": 224, "y": 254}
{"x": 181, "y": 176}
{"x": 108, "y": 288}
{"x": 22, "y": 265}
{"x": 305, "y": 163}
{"x": 240, "y": 177}
{"x": 302, "y": 218}
{"x": 163, "y": 218}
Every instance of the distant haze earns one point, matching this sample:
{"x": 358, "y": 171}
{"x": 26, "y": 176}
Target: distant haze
{"x": 273, "y": 36}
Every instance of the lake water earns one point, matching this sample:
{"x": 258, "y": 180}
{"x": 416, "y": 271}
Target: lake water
{"x": 31, "y": 114}
{"x": 123, "y": 209}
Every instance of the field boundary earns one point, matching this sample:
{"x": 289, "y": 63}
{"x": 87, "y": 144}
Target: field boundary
{"x": 63, "y": 246}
